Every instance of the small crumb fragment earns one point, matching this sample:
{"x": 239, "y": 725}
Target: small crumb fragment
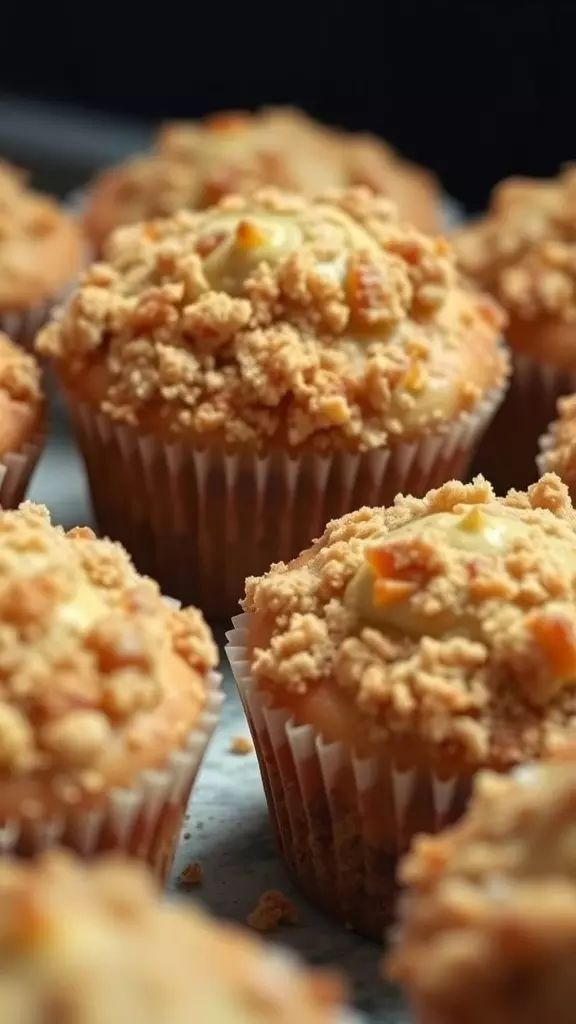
{"x": 273, "y": 909}
{"x": 192, "y": 874}
{"x": 241, "y": 745}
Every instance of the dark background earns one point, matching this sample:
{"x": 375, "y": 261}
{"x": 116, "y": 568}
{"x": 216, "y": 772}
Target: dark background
{"x": 475, "y": 90}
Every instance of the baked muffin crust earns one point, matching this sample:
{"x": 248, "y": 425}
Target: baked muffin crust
{"x": 40, "y": 247}
{"x": 445, "y": 624}
{"x": 276, "y": 319}
{"x": 99, "y": 677}
{"x": 93, "y": 945}
{"x": 489, "y": 926}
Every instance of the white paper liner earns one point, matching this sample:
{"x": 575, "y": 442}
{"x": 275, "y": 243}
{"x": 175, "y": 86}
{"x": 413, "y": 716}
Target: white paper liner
{"x": 508, "y": 453}
{"x": 142, "y": 821}
{"x": 323, "y": 800}
{"x": 201, "y": 521}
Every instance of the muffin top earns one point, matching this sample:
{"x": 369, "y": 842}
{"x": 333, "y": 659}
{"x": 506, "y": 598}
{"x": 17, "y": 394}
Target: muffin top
{"x": 277, "y": 320}
{"x": 492, "y": 912}
{"x": 95, "y": 944}
{"x": 21, "y": 396}
{"x": 444, "y": 625}
{"x": 523, "y": 250}
{"x": 99, "y": 677}
{"x": 40, "y": 247}
{"x": 559, "y": 455}
{"x": 195, "y": 163}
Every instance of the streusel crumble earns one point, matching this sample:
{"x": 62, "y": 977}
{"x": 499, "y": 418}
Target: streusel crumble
{"x": 101, "y": 681}
{"x": 489, "y": 925}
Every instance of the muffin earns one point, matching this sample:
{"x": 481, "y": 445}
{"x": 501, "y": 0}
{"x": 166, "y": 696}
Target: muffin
{"x": 40, "y": 251}
{"x": 489, "y": 926}
{"x": 22, "y": 421}
{"x": 96, "y": 945}
{"x": 408, "y": 648}
{"x": 524, "y": 253}
{"x": 107, "y": 697}
{"x": 239, "y": 376}
{"x": 193, "y": 164}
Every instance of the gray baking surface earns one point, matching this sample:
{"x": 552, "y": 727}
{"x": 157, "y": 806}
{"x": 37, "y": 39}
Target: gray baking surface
{"x": 227, "y": 827}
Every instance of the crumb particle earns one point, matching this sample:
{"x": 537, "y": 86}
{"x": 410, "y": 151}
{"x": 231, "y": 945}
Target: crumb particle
{"x": 192, "y": 874}
{"x": 272, "y": 910}
{"x": 241, "y": 745}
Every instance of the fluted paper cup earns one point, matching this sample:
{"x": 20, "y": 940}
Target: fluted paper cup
{"x": 341, "y": 821}
{"x": 142, "y": 821}
{"x": 507, "y": 453}
{"x": 201, "y": 520}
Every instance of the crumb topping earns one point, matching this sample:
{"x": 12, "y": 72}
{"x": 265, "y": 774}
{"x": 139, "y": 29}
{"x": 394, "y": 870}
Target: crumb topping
{"x": 494, "y": 898}
{"x": 20, "y": 375}
{"x": 23, "y": 213}
{"x": 75, "y": 937}
{"x": 84, "y": 642}
{"x": 272, "y": 910}
{"x": 451, "y": 618}
{"x": 194, "y": 164}
{"x": 524, "y": 250}
{"x": 274, "y": 318}
{"x": 560, "y": 456}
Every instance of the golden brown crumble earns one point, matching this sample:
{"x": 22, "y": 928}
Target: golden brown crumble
{"x": 20, "y": 374}
{"x": 450, "y": 617}
{"x": 192, "y": 874}
{"x": 560, "y": 455}
{"x": 83, "y": 646}
{"x": 73, "y": 937}
{"x": 272, "y": 910}
{"x": 241, "y": 745}
{"x": 524, "y": 250}
{"x": 276, "y": 318}
{"x": 194, "y": 164}
{"x": 491, "y": 920}
{"x": 23, "y": 212}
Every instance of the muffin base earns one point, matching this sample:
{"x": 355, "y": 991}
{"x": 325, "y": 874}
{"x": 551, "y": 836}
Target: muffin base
{"x": 142, "y": 822}
{"x": 508, "y": 451}
{"x": 341, "y": 822}
{"x": 201, "y": 520}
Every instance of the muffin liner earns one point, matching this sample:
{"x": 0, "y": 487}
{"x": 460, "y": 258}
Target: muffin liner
{"x": 507, "y": 453}
{"x": 201, "y": 520}
{"x": 22, "y": 325}
{"x": 16, "y": 469}
{"x": 142, "y": 821}
{"x": 341, "y": 822}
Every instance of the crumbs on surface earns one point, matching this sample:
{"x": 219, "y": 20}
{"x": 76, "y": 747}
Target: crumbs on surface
{"x": 20, "y": 375}
{"x": 274, "y": 317}
{"x": 272, "y": 910}
{"x": 83, "y": 642}
{"x": 472, "y": 650}
{"x": 494, "y": 898}
{"x": 241, "y": 745}
{"x": 192, "y": 874}
{"x": 524, "y": 249}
